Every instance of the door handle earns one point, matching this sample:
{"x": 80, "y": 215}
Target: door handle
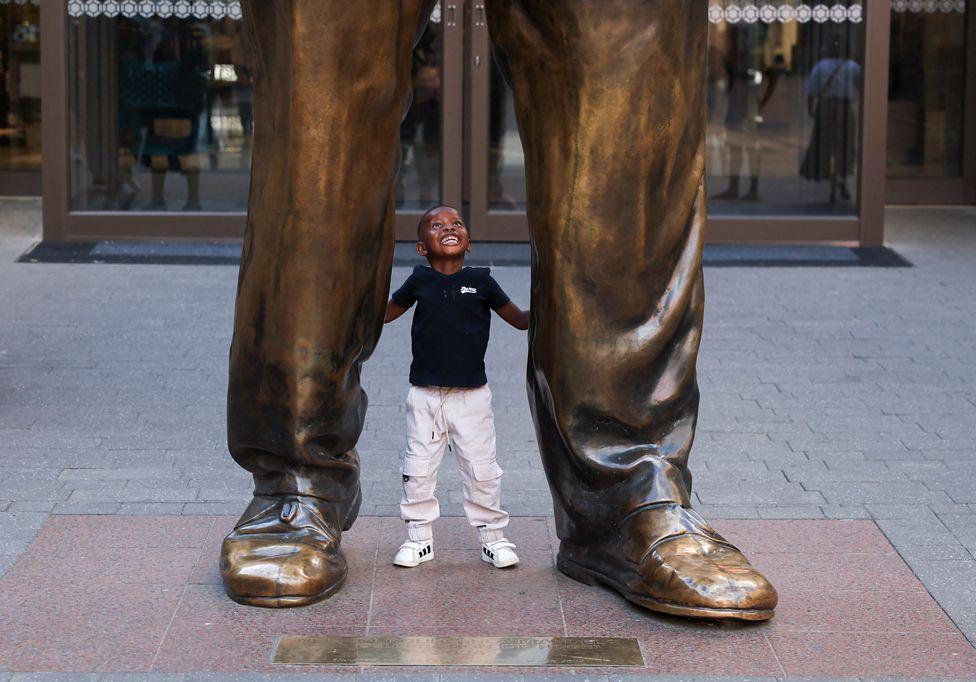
{"x": 452, "y": 15}
{"x": 479, "y": 14}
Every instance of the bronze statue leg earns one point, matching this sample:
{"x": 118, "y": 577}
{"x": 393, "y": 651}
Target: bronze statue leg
{"x": 610, "y": 98}
{"x": 332, "y": 84}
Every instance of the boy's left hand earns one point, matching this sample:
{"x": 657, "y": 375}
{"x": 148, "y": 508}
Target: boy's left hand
{"x": 514, "y": 315}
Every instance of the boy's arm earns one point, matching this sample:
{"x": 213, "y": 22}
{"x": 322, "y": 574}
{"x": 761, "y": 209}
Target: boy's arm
{"x": 393, "y": 311}
{"x": 514, "y": 315}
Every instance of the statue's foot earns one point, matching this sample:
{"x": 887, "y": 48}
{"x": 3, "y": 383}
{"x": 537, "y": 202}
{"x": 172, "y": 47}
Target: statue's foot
{"x": 667, "y": 558}
{"x": 283, "y": 552}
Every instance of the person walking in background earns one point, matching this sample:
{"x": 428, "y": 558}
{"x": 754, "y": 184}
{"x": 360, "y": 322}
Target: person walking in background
{"x": 832, "y": 91}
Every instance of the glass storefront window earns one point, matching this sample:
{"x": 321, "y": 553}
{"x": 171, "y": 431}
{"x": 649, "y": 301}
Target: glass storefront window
{"x": 20, "y": 87}
{"x": 926, "y": 89}
{"x": 784, "y": 102}
{"x": 161, "y": 110}
{"x": 161, "y": 113}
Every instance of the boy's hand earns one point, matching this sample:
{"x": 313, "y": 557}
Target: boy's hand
{"x": 514, "y": 315}
{"x": 393, "y": 311}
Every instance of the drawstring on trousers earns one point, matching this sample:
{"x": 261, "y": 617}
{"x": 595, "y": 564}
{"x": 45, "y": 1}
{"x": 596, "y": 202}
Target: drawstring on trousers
{"x": 439, "y": 413}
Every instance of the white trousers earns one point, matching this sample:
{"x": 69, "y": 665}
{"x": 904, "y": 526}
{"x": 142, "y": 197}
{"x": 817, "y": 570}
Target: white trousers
{"x": 437, "y": 417}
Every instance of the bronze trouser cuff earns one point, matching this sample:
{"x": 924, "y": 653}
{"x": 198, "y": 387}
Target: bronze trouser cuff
{"x": 324, "y": 484}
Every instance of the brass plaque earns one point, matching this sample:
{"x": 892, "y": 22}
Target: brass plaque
{"x": 460, "y": 651}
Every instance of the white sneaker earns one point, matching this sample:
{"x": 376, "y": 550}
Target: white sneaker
{"x": 412, "y": 553}
{"x": 500, "y": 553}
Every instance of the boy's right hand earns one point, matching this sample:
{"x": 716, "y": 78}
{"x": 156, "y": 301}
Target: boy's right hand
{"x": 393, "y": 311}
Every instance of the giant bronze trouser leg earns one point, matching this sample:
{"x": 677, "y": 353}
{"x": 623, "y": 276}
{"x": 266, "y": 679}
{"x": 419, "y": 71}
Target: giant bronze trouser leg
{"x": 610, "y": 99}
{"x": 332, "y": 84}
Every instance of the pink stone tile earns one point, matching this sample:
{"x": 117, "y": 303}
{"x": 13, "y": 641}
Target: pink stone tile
{"x": 553, "y": 536}
{"x": 880, "y": 570}
{"x": 212, "y": 633}
{"x": 452, "y": 532}
{"x": 702, "y": 650}
{"x": 207, "y": 569}
{"x": 596, "y": 611}
{"x": 82, "y": 628}
{"x": 491, "y": 673}
{"x": 97, "y": 594}
{"x": 77, "y": 602}
{"x": 90, "y": 566}
{"x": 460, "y": 589}
{"x": 69, "y": 532}
{"x": 488, "y": 628}
{"x": 896, "y": 655}
{"x": 221, "y": 527}
{"x": 803, "y": 537}
{"x": 367, "y": 531}
{"x": 860, "y": 611}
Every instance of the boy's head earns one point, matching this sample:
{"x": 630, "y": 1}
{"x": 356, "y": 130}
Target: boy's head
{"x": 442, "y": 235}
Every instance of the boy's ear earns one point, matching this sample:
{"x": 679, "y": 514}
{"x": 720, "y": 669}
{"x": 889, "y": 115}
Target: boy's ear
{"x": 468, "y": 250}
{"x": 421, "y": 249}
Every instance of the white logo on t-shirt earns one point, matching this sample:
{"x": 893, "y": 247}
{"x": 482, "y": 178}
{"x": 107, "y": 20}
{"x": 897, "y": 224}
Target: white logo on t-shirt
{"x": 468, "y": 290}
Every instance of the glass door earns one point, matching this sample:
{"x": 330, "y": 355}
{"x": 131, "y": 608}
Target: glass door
{"x": 930, "y": 108}
{"x": 20, "y": 98}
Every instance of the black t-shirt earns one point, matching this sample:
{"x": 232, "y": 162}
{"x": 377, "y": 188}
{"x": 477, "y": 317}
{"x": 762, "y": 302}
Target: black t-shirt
{"x": 451, "y": 324}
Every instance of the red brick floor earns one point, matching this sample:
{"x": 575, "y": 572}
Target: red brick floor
{"x": 124, "y": 593}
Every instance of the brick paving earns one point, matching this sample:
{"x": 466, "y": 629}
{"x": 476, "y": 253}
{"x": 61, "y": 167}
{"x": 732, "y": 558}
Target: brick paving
{"x": 828, "y": 393}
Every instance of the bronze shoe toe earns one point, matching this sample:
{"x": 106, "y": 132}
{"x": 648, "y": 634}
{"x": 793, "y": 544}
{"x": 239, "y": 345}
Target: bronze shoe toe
{"x": 668, "y": 559}
{"x": 283, "y": 552}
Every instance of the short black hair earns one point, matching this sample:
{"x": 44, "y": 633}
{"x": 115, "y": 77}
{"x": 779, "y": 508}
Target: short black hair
{"x": 423, "y": 218}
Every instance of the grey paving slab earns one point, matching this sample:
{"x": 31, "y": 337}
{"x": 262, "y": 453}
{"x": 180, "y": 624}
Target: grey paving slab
{"x": 264, "y": 677}
{"x": 54, "y": 677}
{"x": 141, "y": 677}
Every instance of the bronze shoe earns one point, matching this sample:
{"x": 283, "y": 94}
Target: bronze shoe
{"x": 284, "y": 552}
{"x": 667, "y": 558}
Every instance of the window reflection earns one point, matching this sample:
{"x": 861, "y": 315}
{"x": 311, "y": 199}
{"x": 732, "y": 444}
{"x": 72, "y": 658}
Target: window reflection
{"x": 161, "y": 114}
{"x": 419, "y": 182}
{"x": 783, "y": 120}
{"x": 783, "y": 105}
{"x": 506, "y": 162}
{"x": 20, "y": 88}
{"x": 832, "y": 94}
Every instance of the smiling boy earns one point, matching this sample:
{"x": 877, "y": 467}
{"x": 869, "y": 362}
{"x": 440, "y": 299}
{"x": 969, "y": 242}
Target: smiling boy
{"x": 449, "y": 400}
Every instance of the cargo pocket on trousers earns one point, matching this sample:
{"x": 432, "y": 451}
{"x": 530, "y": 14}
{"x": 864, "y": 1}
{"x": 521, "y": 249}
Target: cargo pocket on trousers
{"x": 486, "y": 472}
{"x": 414, "y": 467}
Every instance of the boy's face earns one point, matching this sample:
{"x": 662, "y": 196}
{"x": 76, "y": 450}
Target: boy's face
{"x": 443, "y": 235}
